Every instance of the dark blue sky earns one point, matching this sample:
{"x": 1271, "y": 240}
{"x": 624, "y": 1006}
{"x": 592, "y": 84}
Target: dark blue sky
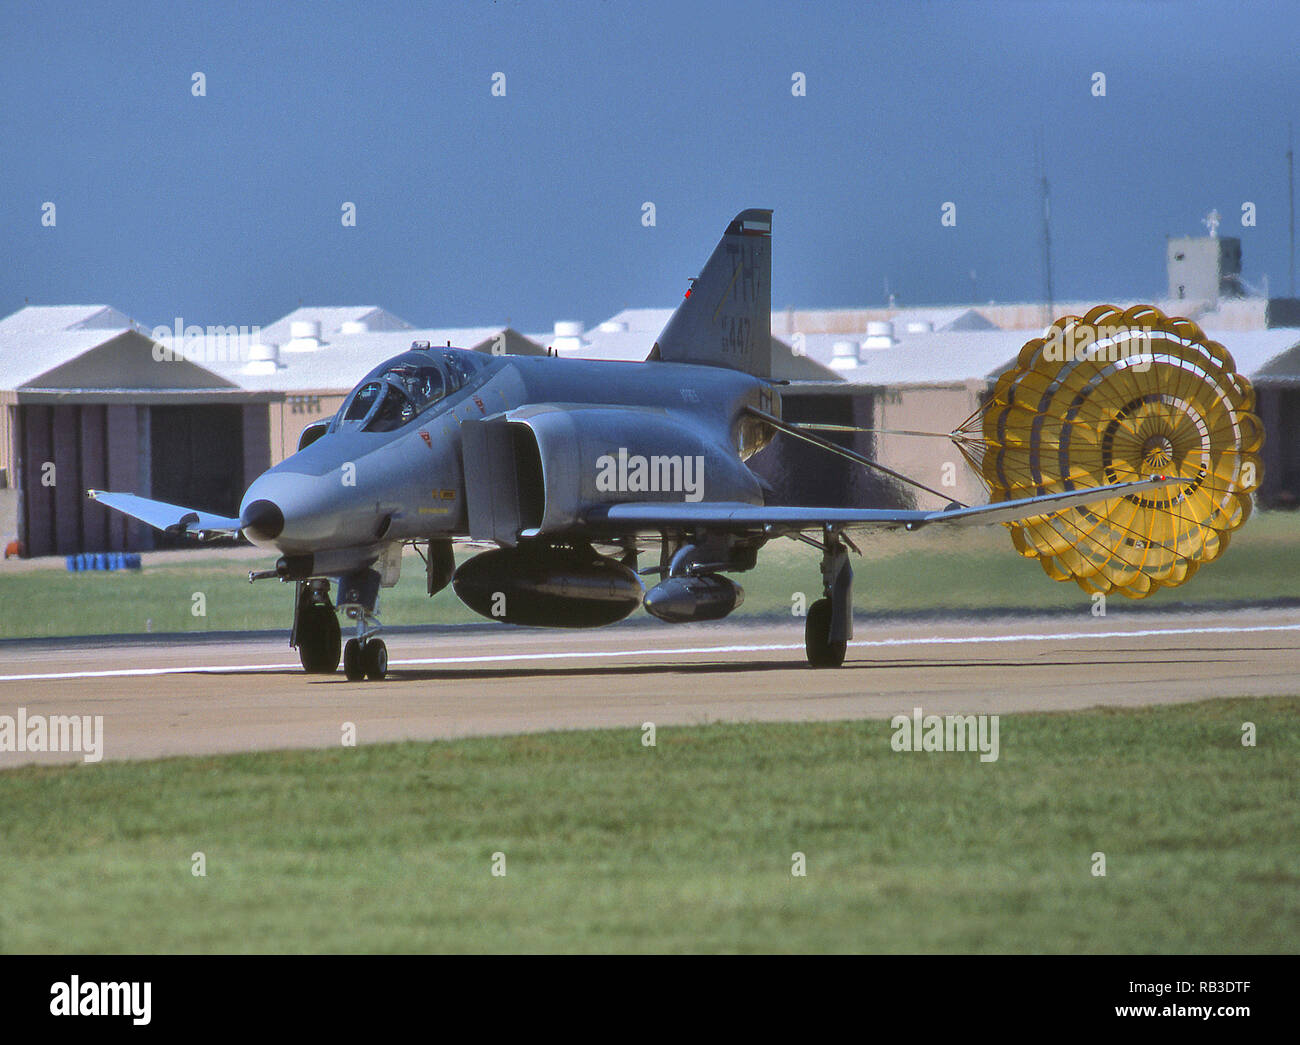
{"x": 474, "y": 209}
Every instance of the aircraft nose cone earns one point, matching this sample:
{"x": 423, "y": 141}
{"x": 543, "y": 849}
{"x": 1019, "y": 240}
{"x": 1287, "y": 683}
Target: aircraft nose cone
{"x": 262, "y": 520}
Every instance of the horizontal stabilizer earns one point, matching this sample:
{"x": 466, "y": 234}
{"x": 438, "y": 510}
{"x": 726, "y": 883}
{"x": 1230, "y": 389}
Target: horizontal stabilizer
{"x": 170, "y": 518}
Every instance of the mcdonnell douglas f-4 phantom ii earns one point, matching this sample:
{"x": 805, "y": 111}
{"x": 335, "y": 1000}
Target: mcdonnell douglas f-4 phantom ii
{"x": 570, "y": 470}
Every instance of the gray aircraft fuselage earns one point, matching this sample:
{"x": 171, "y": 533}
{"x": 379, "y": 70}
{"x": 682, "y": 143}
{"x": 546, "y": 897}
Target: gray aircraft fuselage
{"x": 356, "y": 488}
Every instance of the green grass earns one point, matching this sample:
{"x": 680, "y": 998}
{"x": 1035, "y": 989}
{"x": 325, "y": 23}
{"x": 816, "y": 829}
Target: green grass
{"x": 927, "y": 570}
{"x": 611, "y": 846}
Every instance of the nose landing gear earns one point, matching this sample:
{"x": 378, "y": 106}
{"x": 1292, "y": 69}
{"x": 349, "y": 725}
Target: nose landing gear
{"x": 365, "y": 656}
{"x": 366, "y": 659}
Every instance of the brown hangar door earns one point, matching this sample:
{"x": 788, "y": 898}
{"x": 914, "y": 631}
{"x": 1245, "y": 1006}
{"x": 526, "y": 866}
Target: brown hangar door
{"x": 196, "y": 459}
{"x": 64, "y": 450}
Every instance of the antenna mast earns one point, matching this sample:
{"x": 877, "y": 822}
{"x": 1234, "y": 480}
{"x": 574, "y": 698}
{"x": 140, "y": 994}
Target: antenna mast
{"x": 1290, "y": 180}
{"x": 1047, "y": 228}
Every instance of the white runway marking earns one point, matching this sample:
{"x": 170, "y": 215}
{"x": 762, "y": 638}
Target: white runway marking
{"x": 1067, "y": 636}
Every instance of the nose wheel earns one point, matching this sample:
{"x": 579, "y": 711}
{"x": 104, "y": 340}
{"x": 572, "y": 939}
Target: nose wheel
{"x": 368, "y": 660}
{"x": 365, "y": 656}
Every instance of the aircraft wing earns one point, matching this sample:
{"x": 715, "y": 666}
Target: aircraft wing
{"x": 171, "y": 518}
{"x": 736, "y": 516}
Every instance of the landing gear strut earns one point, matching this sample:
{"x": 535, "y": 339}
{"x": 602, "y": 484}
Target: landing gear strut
{"x": 366, "y": 656}
{"x": 316, "y": 631}
{"x": 829, "y": 624}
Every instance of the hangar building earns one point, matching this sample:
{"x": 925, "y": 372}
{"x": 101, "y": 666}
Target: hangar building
{"x": 86, "y": 403}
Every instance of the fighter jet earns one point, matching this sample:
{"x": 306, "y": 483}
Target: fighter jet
{"x": 567, "y": 472}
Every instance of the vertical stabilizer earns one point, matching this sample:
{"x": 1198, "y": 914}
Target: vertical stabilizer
{"x": 726, "y": 319}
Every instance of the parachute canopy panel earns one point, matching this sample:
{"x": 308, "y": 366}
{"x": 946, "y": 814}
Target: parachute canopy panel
{"x": 1111, "y": 397}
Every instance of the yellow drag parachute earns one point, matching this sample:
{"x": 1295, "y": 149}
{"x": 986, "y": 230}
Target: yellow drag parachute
{"x": 1116, "y": 396}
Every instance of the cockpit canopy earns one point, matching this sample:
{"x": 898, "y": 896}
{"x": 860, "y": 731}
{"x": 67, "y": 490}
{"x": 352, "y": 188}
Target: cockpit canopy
{"x": 399, "y": 390}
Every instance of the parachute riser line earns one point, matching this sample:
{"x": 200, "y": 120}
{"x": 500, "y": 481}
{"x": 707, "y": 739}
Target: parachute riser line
{"x": 841, "y": 451}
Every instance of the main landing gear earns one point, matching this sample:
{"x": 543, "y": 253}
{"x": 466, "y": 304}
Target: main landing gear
{"x": 829, "y": 624}
{"x": 316, "y": 631}
{"x": 319, "y": 639}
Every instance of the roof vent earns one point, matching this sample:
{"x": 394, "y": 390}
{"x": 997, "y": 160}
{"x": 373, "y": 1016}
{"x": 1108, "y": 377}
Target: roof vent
{"x": 880, "y": 334}
{"x": 304, "y": 336}
{"x": 844, "y": 355}
{"x": 568, "y": 336}
{"x": 262, "y": 359}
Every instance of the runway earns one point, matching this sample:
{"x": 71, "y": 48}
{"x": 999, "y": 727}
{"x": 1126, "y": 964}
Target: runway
{"x": 172, "y": 697}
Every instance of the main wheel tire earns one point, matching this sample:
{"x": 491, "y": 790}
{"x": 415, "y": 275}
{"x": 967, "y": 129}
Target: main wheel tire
{"x": 319, "y": 639}
{"x": 374, "y": 656}
{"x": 352, "y": 665}
{"x": 822, "y": 652}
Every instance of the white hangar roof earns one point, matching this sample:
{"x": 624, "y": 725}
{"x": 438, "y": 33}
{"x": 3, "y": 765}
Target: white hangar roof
{"x": 630, "y": 335}
{"x": 88, "y": 347}
{"x": 954, "y": 357}
{"x": 916, "y": 359}
{"x": 338, "y": 361}
{"x": 1263, "y": 354}
{"x": 332, "y": 320}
